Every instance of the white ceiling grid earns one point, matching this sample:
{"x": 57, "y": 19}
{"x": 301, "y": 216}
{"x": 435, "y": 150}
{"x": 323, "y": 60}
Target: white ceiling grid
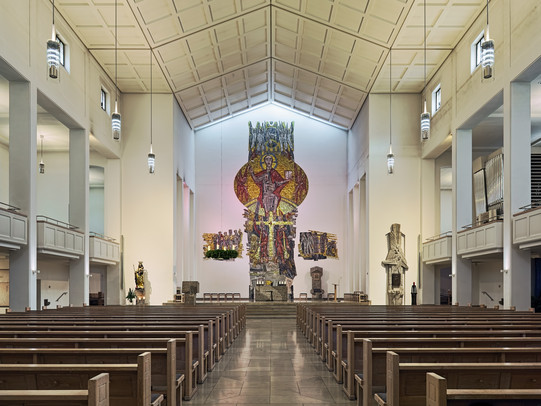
{"x": 320, "y": 57}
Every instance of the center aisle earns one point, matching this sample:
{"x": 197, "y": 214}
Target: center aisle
{"x": 271, "y": 362}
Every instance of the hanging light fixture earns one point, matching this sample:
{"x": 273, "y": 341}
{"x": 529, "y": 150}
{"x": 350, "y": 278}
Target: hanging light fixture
{"x": 53, "y": 53}
{"x": 390, "y": 155}
{"x": 151, "y": 155}
{"x": 487, "y": 53}
{"x": 41, "y": 164}
{"x": 115, "y": 117}
{"x": 425, "y": 116}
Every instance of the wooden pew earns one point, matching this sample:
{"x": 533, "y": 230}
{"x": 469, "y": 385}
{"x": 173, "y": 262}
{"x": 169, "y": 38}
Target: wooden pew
{"x": 128, "y": 383}
{"x": 340, "y": 352}
{"x": 97, "y": 394}
{"x": 185, "y": 365}
{"x": 371, "y": 378}
{"x": 437, "y": 394}
{"x": 197, "y": 353}
{"x": 202, "y": 341}
{"x": 406, "y": 382}
{"x": 164, "y": 376}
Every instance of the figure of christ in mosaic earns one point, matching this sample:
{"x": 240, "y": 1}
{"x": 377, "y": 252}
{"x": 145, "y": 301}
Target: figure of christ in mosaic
{"x": 271, "y": 186}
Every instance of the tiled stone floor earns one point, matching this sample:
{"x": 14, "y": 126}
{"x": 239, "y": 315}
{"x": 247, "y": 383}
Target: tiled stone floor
{"x": 270, "y": 363}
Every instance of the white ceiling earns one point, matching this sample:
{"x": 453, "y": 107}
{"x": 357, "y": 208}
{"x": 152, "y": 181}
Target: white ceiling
{"x": 220, "y": 57}
{"x": 319, "y": 57}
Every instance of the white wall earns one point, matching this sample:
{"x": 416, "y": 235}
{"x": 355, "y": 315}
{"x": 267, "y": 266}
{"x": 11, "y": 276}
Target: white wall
{"x": 54, "y": 276}
{"x": 147, "y": 199}
{"x": 222, "y": 149}
{"x": 487, "y": 277}
{"x": 393, "y": 198}
{"x": 53, "y": 187}
{"x": 25, "y": 27}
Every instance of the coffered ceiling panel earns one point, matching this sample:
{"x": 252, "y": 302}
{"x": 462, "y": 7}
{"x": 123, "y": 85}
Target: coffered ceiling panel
{"x": 319, "y": 57}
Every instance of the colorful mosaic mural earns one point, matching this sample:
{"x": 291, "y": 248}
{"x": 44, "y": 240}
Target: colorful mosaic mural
{"x": 317, "y": 245}
{"x": 271, "y": 186}
{"x": 231, "y": 240}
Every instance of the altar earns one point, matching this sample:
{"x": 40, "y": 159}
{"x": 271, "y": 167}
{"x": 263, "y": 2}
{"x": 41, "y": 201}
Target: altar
{"x": 269, "y": 293}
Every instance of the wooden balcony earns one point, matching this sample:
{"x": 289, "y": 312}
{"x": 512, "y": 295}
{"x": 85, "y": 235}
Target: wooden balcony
{"x": 482, "y": 240}
{"x": 103, "y": 250}
{"x": 58, "y": 238}
{"x": 527, "y": 229}
{"x": 437, "y": 250}
{"x": 13, "y": 227}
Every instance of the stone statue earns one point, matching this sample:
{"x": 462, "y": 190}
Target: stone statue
{"x": 395, "y": 265}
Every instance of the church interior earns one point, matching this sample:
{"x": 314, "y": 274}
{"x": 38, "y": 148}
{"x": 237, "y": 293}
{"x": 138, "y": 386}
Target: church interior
{"x": 270, "y": 201}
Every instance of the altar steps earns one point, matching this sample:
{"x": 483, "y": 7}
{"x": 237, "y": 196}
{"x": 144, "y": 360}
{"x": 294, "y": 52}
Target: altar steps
{"x": 271, "y": 310}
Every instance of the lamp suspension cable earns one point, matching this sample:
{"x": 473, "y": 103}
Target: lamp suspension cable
{"x": 425, "y": 116}
{"x": 390, "y": 155}
{"x": 115, "y": 118}
{"x": 487, "y": 53}
{"x": 151, "y": 155}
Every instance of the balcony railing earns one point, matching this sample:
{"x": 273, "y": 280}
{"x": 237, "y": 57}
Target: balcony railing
{"x": 103, "y": 249}
{"x": 13, "y": 227}
{"x": 437, "y": 249}
{"x": 527, "y": 227}
{"x": 481, "y": 240}
{"x": 56, "y": 237}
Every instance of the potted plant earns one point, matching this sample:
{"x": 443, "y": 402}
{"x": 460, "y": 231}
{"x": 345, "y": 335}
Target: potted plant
{"x": 130, "y": 296}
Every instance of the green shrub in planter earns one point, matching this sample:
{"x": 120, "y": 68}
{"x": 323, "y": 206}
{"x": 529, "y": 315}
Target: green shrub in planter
{"x": 222, "y": 254}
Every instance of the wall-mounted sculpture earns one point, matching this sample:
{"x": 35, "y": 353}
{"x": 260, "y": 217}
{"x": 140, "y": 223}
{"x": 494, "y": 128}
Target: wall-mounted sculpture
{"x": 271, "y": 186}
{"x": 317, "y": 245}
{"x": 231, "y": 240}
{"x": 395, "y": 265}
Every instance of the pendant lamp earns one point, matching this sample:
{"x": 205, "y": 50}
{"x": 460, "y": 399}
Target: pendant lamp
{"x": 390, "y": 155}
{"x": 151, "y": 155}
{"x": 425, "y": 116}
{"x": 41, "y": 164}
{"x": 487, "y": 53}
{"x": 53, "y": 53}
{"x": 115, "y": 117}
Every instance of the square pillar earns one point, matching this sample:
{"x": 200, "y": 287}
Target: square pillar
{"x": 462, "y": 213}
{"x": 78, "y": 213}
{"x": 517, "y": 192}
{"x": 22, "y": 191}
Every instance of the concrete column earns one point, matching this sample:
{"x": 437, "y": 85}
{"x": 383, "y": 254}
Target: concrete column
{"x": 78, "y": 213}
{"x": 462, "y": 213}
{"x": 22, "y": 191}
{"x": 112, "y": 228}
{"x": 517, "y": 185}
{"x": 363, "y": 237}
{"x": 425, "y": 279}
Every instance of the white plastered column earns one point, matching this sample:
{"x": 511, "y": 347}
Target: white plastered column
{"x": 22, "y": 191}
{"x": 517, "y": 179}
{"x": 78, "y": 213}
{"x": 462, "y": 213}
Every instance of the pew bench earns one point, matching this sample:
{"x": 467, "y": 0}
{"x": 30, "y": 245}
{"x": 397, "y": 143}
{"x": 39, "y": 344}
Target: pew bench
{"x": 185, "y": 364}
{"x": 97, "y": 394}
{"x": 165, "y": 378}
{"x": 128, "y": 383}
{"x": 406, "y": 382}
{"x": 371, "y": 377}
{"x": 437, "y": 394}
